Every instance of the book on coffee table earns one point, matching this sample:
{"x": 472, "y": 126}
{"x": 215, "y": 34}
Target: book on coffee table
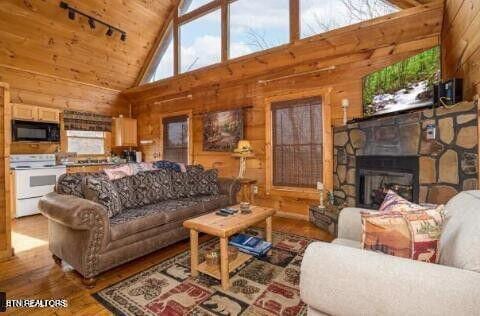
{"x": 250, "y": 244}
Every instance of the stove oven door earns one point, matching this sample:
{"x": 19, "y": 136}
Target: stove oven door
{"x": 31, "y": 185}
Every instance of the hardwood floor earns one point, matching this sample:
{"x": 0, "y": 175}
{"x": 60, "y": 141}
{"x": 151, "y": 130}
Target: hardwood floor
{"x": 32, "y": 273}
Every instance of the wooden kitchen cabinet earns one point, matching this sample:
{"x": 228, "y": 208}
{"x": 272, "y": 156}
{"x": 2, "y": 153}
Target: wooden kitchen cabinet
{"x": 24, "y": 112}
{"x": 124, "y": 132}
{"x": 48, "y": 114}
{"x": 27, "y": 112}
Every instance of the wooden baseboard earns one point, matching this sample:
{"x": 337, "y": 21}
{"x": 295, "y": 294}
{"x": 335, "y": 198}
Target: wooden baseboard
{"x": 292, "y": 215}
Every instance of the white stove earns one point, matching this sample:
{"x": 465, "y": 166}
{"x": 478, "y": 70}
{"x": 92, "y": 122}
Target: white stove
{"x": 35, "y": 176}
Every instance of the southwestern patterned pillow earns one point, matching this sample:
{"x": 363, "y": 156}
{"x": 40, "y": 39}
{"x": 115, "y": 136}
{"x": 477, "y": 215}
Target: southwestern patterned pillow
{"x": 184, "y": 184}
{"x": 207, "y": 182}
{"x": 103, "y": 192}
{"x": 71, "y": 183}
{"x": 394, "y": 202}
{"x": 408, "y": 234}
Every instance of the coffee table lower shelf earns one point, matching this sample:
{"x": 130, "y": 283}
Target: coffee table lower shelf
{"x": 214, "y": 270}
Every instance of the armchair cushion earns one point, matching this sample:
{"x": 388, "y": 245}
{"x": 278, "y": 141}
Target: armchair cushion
{"x": 460, "y": 240}
{"x": 376, "y": 284}
{"x": 103, "y": 192}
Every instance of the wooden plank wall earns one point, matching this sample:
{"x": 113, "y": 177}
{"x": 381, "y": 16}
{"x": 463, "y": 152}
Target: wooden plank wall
{"x": 235, "y": 84}
{"x": 461, "y": 43}
{"x": 5, "y": 236}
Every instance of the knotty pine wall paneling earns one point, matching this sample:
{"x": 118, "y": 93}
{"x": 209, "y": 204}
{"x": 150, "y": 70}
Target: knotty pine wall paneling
{"x": 5, "y": 115}
{"x": 461, "y": 44}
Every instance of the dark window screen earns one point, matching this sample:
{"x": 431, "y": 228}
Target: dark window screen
{"x": 297, "y": 142}
{"x": 175, "y": 139}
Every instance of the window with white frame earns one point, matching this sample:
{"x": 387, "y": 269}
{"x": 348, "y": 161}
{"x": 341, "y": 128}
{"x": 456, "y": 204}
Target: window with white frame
{"x": 86, "y": 142}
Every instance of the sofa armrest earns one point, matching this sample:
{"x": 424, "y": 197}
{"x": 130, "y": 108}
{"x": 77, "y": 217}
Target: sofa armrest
{"x": 230, "y": 187}
{"x": 340, "y": 280}
{"x": 350, "y": 223}
{"x": 72, "y": 211}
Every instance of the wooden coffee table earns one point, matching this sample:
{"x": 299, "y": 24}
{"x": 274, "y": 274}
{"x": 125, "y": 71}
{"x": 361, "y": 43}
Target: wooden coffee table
{"x": 224, "y": 227}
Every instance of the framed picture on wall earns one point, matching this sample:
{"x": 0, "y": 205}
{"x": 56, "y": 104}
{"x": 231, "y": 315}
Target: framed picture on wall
{"x": 222, "y": 130}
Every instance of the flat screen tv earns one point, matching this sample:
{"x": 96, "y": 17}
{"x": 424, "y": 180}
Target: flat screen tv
{"x": 402, "y": 86}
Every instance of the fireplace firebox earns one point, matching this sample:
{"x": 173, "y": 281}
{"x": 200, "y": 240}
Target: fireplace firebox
{"x": 375, "y": 175}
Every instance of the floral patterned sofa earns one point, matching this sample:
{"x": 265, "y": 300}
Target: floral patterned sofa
{"x": 96, "y": 224}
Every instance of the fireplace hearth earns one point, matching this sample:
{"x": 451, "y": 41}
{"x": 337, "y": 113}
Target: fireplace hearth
{"x": 377, "y": 174}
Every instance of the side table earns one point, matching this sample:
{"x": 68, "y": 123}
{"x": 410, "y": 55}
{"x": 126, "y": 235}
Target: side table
{"x": 326, "y": 218}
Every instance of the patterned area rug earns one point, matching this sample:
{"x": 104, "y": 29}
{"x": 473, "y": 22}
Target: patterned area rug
{"x": 267, "y": 286}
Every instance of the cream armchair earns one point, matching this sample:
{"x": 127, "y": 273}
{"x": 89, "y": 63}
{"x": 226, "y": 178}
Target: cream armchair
{"x": 342, "y": 279}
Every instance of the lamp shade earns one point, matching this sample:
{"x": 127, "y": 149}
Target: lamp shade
{"x": 243, "y": 147}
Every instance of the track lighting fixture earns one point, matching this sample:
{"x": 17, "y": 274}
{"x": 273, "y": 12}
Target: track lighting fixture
{"x": 71, "y": 14}
{"x": 92, "y": 21}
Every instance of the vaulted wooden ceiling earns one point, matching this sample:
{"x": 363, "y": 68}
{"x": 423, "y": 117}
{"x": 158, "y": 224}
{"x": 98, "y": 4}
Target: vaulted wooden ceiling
{"x": 38, "y": 36}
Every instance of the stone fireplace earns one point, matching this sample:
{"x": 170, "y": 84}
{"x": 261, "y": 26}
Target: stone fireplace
{"x": 383, "y": 153}
{"x": 377, "y": 174}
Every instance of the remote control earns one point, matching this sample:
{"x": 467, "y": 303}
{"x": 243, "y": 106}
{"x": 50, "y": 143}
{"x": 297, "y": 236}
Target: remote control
{"x": 228, "y": 211}
{"x": 220, "y": 213}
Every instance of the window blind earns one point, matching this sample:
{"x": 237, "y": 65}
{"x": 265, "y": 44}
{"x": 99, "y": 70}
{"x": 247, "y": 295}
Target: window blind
{"x": 297, "y": 142}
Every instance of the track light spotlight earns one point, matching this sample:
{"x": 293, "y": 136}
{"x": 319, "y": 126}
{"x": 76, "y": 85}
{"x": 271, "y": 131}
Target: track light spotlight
{"x": 71, "y": 14}
{"x": 123, "y": 37}
{"x": 109, "y": 32}
{"x": 91, "y": 22}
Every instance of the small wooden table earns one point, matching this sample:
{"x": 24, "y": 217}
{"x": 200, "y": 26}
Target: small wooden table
{"x": 224, "y": 227}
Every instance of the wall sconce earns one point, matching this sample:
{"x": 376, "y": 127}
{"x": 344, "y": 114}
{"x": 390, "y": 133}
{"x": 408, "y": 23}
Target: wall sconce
{"x": 92, "y": 21}
{"x": 345, "y": 105}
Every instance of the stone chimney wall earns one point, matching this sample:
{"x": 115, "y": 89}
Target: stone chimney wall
{"x": 448, "y": 164}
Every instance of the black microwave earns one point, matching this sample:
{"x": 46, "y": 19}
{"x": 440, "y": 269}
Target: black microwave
{"x": 35, "y": 131}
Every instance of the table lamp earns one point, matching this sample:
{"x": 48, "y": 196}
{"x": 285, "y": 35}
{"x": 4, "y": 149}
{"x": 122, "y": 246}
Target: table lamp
{"x": 243, "y": 151}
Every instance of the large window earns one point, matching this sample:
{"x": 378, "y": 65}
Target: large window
{"x": 164, "y": 61}
{"x": 325, "y": 15}
{"x": 258, "y": 25}
{"x": 206, "y": 32}
{"x": 200, "y": 43}
{"x": 190, "y": 5}
{"x": 175, "y": 139}
{"x": 297, "y": 143}
{"x": 86, "y": 142}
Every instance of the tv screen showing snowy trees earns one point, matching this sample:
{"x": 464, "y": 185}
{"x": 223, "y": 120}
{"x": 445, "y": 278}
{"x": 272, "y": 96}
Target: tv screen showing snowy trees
{"x": 403, "y": 86}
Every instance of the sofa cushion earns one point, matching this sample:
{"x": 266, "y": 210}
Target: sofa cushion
{"x": 181, "y": 209}
{"x": 71, "y": 183}
{"x": 136, "y": 220}
{"x": 206, "y": 182}
{"x": 184, "y": 184}
{"x": 102, "y": 192}
{"x": 212, "y": 202}
{"x": 460, "y": 239}
{"x": 144, "y": 188}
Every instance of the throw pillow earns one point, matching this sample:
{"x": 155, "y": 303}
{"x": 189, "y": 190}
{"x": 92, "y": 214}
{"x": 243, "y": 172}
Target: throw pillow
{"x": 396, "y": 203}
{"x": 103, "y": 192}
{"x": 119, "y": 172}
{"x": 207, "y": 182}
{"x": 184, "y": 184}
{"x": 408, "y": 234}
{"x": 72, "y": 183}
